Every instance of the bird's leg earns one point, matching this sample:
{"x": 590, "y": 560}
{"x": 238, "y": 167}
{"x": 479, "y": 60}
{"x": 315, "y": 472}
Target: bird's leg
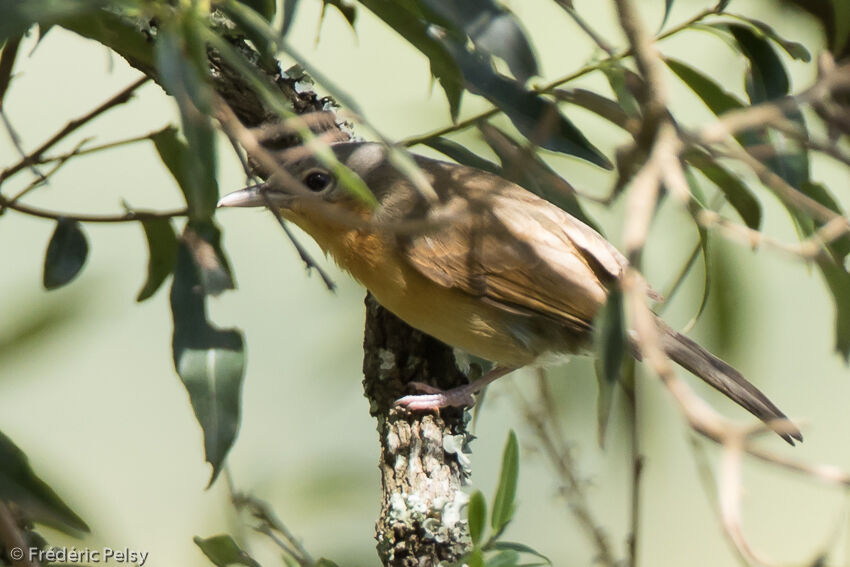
{"x": 435, "y": 398}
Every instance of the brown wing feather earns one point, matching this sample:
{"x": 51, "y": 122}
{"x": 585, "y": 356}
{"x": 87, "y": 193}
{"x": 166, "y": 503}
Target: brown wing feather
{"x": 521, "y": 253}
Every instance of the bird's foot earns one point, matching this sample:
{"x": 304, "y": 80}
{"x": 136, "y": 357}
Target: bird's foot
{"x": 434, "y": 398}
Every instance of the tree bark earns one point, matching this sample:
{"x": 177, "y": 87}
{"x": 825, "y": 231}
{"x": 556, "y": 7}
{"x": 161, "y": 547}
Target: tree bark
{"x": 422, "y": 463}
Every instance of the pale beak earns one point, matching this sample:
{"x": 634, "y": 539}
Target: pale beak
{"x": 248, "y": 197}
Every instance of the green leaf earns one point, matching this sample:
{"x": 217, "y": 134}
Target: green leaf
{"x": 20, "y": 486}
{"x": 736, "y": 192}
{"x": 477, "y": 516}
{"x": 794, "y": 49}
{"x": 120, "y": 34}
{"x": 503, "y": 502}
{"x": 506, "y": 558}
{"x": 181, "y": 61}
{"x": 704, "y": 241}
{"x": 66, "y": 254}
{"x": 289, "y": 9}
{"x": 536, "y": 117}
{"x": 17, "y": 16}
{"x": 223, "y": 551}
{"x": 525, "y": 168}
{"x": 475, "y": 559}
{"x": 712, "y": 94}
{"x": 162, "y": 250}
{"x": 840, "y": 247}
{"x": 668, "y": 5}
{"x": 767, "y": 78}
{"x": 623, "y": 84}
{"x": 348, "y": 12}
{"x": 460, "y": 154}
{"x": 611, "y": 346}
{"x": 406, "y": 19}
{"x": 519, "y": 547}
{"x": 265, "y": 8}
{"x": 841, "y": 21}
{"x": 210, "y": 361}
{"x": 323, "y": 562}
{"x": 602, "y": 106}
{"x": 493, "y": 29}
{"x": 838, "y": 281}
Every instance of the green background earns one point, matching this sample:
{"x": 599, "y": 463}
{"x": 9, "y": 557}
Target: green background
{"x": 96, "y": 404}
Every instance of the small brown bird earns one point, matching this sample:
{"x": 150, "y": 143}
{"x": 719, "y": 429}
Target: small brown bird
{"x": 487, "y": 267}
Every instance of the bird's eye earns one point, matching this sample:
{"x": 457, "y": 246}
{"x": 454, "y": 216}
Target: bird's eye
{"x": 317, "y": 180}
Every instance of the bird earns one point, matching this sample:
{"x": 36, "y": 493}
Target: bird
{"x": 482, "y": 264}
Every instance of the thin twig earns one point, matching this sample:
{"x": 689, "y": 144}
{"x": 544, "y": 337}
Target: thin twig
{"x": 586, "y": 28}
{"x": 100, "y": 148}
{"x": 42, "y": 180}
{"x": 271, "y": 526}
{"x": 561, "y": 457}
{"x": 73, "y": 125}
{"x": 130, "y": 216}
{"x": 302, "y": 252}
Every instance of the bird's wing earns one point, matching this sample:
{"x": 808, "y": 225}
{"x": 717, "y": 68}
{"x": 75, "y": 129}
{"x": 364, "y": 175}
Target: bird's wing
{"x": 522, "y": 254}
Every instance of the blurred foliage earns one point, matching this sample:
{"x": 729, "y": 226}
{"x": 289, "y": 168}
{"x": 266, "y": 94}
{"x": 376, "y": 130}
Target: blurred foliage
{"x": 478, "y": 47}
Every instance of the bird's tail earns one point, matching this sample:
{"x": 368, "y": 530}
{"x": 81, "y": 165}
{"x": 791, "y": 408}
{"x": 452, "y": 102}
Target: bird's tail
{"x": 727, "y": 380}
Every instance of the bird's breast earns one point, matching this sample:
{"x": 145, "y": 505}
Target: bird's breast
{"x": 454, "y": 317}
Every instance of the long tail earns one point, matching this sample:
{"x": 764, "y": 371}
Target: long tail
{"x": 727, "y": 380}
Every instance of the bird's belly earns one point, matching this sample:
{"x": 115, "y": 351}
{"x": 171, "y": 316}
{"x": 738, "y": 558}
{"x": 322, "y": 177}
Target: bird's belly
{"x": 466, "y": 322}
{"x": 458, "y": 319}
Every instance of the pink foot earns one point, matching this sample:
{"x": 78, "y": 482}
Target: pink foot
{"x": 435, "y": 398}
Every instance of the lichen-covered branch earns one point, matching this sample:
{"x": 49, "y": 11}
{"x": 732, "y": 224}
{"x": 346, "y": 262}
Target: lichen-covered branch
{"x": 422, "y": 462}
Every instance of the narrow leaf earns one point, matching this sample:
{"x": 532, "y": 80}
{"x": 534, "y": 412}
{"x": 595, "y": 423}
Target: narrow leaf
{"x": 624, "y": 83}
{"x": 838, "y": 281}
{"x": 736, "y": 192}
{"x": 602, "y": 106}
{"x": 460, "y": 154}
{"x": 611, "y": 345}
{"x": 180, "y": 58}
{"x": 839, "y": 247}
{"x": 520, "y": 547}
{"x": 162, "y": 250}
{"x": 348, "y": 11}
{"x": 265, "y": 8}
{"x": 505, "y": 558}
{"x": 20, "y": 486}
{"x": 668, "y": 5}
{"x": 289, "y": 9}
{"x": 19, "y": 15}
{"x": 503, "y": 502}
{"x": 223, "y": 551}
{"x": 768, "y": 79}
{"x": 536, "y": 117}
{"x": 794, "y": 49}
{"x": 494, "y": 30}
{"x": 477, "y": 516}
{"x": 210, "y": 361}
{"x": 66, "y": 254}
{"x": 712, "y": 94}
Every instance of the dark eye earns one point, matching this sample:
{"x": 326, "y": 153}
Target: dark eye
{"x": 317, "y": 180}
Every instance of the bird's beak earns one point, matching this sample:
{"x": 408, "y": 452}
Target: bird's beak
{"x": 260, "y": 195}
{"x": 248, "y": 197}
